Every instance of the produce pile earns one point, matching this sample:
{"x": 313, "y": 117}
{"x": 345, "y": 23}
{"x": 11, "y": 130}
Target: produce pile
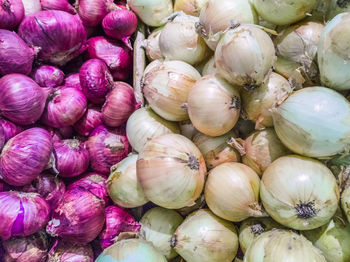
{"x": 186, "y": 130}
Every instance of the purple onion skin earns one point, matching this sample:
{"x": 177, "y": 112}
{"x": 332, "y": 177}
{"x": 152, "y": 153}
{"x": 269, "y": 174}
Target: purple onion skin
{"x": 62, "y": 5}
{"x": 21, "y": 99}
{"x": 95, "y": 80}
{"x": 22, "y": 214}
{"x": 107, "y": 147}
{"x": 68, "y": 252}
{"x": 73, "y": 81}
{"x": 79, "y": 217}
{"x": 25, "y": 156}
{"x": 92, "y": 12}
{"x": 48, "y": 76}
{"x": 15, "y": 55}
{"x": 90, "y": 120}
{"x": 10, "y": 129}
{"x": 11, "y": 13}
{"x": 4, "y": 187}
{"x": 66, "y": 132}
{"x": 114, "y": 53}
{"x": 2, "y": 138}
{"x": 67, "y": 35}
{"x": 117, "y": 221}
{"x": 65, "y": 106}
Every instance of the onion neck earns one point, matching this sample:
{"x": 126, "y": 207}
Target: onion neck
{"x": 306, "y": 210}
{"x": 255, "y": 210}
{"x": 173, "y": 241}
{"x": 257, "y": 229}
{"x": 193, "y": 162}
{"x": 6, "y": 5}
{"x": 72, "y": 143}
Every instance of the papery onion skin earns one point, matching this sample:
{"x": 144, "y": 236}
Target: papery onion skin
{"x": 73, "y": 81}
{"x": 25, "y": 156}
{"x": 67, "y": 33}
{"x": 345, "y": 202}
{"x": 15, "y": 55}
{"x": 209, "y": 67}
{"x": 204, "y": 237}
{"x": 31, "y": 7}
{"x": 11, "y": 13}
{"x": 192, "y": 7}
{"x": 299, "y": 192}
{"x": 92, "y": 12}
{"x": 152, "y": 45}
{"x": 62, "y": 5}
{"x": 166, "y": 87}
{"x": 89, "y": 121}
{"x": 66, "y": 251}
{"x": 48, "y": 76}
{"x": 22, "y": 214}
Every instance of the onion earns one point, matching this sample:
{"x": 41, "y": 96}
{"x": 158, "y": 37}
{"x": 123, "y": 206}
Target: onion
{"x": 313, "y": 122}
{"x": 171, "y": 171}
{"x": 96, "y": 80}
{"x": 22, "y": 214}
{"x": 9, "y": 128}
{"x": 283, "y": 12}
{"x": 152, "y": 45}
{"x": 31, "y": 7}
{"x": 299, "y": 192}
{"x": 199, "y": 204}
{"x": 213, "y": 120}
{"x": 117, "y": 221}
{"x": 48, "y": 76}
{"x": 114, "y": 53}
{"x": 122, "y": 184}
{"x": 336, "y": 7}
{"x": 345, "y": 202}
{"x": 79, "y": 217}
{"x": 190, "y": 7}
{"x": 25, "y": 156}
{"x": 73, "y": 81}
{"x": 11, "y": 13}
{"x": 187, "y": 129}
{"x": 282, "y": 245}
{"x": 166, "y": 87}
{"x": 204, "y": 237}
{"x": 244, "y": 56}
{"x": 89, "y": 121}
{"x": 3, "y": 187}
{"x": 68, "y": 252}
{"x": 92, "y": 12}
{"x": 62, "y": 5}
{"x": 65, "y": 106}
{"x": 67, "y": 35}
{"x": 232, "y": 192}
{"x": 209, "y": 67}
{"x": 107, "y": 147}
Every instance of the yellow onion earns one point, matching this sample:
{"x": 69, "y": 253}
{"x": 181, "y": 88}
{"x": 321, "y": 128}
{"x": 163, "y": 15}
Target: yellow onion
{"x": 187, "y": 129}
{"x": 336, "y": 7}
{"x": 345, "y": 202}
{"x": 232, "y": 192}
{"x": 281, "y": 245}
{"x": 171, "y": 171}
{"x": 144, "y": 124}
{"x": 259, "y": 102}
{"x": 216, "y": 150}
{"x": 190, "y": 7}
{"x": 157, "y": 226}
{"x": 217, "y": 16}
{"x": 245, "y": 55}
{"x": 204, "y": 237}
{"x": 213, "y": 105}
{"x": 166, "y": 85}
{"x": 152, "y": 45}
{"x": 200, "y": 203}
{"x": 122, "y": 185}
{"x": 299, "y": 192}
{"x": 209, "y": 67}
{"x": 180, "y": 41}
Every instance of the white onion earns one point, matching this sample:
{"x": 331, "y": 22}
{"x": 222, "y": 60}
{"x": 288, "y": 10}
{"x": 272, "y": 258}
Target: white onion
{"x": 152, "y": 45}
{"x": 190, "y": 7}
{"x": 31, "y": 7}
{"x": 345, "y": 202}
{"x": 209, "y": 68}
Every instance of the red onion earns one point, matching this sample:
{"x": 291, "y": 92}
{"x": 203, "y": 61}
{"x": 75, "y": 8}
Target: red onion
{"x": 117, "y": 221}
{"x": 59, "y": 35}
{"x": 10, "y": 129}
{"x": 79, "y": 217}
{"x": 93, "y": 11}
{"x": 65, "y": 106}
{"x": 114, "y": 53}
{"x": 62, "y": 5}
{"x": 50, "y": 76}
{"x": 21, "y": 99}
{"x": 15, "y": 55}
{"x": 32, "y": 248}
{"x": 2, "y": 138}
{"x": 72, "y": 157}
{"x": 120, "y": 104}
{"x": 90, "y": 120}
{"x": 96, "y": 80}
{"x": 22, "y": 214}
{"x": 4, "y": 187}
{"x": 107, "y": 147}
{"x": 25, "y": 156}
{"x": 68, "y": 252}
{"x": 11, "y": 13}
{"x": 73, "y": 81}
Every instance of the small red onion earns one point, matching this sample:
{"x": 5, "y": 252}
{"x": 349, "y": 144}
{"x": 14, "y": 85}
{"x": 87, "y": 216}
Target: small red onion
{"x": 15, "y": 55}
{"x": 25, "y": 156}
{"x": 73, "y": 81}
{"x": 117, "y": 221}
{"x": 65, "y": 106}
{"x": 90, "y": 120}
{"x": 68, "y": 252}
{"x": 48, "y": 76}
{"x": 11, "y": 13}
{"x": 95, "y": 80}
{"x": 59, "y": 35}
{"x": 10, "y": 129}
{"x": 62, "y": 5}
{"x": 107, "y": 147}
{"x": 114, "y": 53}
{"x": 120, "y": 104}
{"x": 93, "y": 11}
{"x": 22, "y": 214}
{"x": 79, "y": 217}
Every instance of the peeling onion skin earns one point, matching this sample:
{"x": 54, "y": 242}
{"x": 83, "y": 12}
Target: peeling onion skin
{"x": 66, "y": 251}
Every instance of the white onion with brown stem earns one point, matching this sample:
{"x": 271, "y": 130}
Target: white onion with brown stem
{"x": 151, "y": 45}
{"x": 190, "y": 7}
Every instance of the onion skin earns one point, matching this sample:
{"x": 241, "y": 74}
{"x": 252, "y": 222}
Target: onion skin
{"x": 345, "y": 202}
{"x": 73, "y": 81}
{"x": 65, "y": 251}
{"x": 11, "y": 13}
{"x": 62, "y": 5}
{"x": 25, "y": 156}
{"x": 31, "y": 7}
{"x": 92, "y": 12}
{"x": 22, "y": 214}
{"x": 48, "y": 76}
{"x": 10, "y": 129}
{"x": 89, "y": 121}
{"x": 192, "y": 7}
{"x": 152, "y": 45}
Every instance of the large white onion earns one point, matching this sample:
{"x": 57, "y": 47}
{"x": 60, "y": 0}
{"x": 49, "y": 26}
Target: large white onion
{"x": 299, "y": 192}
{"x": 190, "y": 7}
{"x": 31, "y": 7}
{"x": 345, "y": 202}
{"x": 152, "y": 45}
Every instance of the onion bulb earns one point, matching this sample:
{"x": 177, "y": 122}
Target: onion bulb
{"x": 171, "y": 171}
{"x": 299, "y": 192}
{"x": 157, "y": 226}
{"x": 166, "y": 86}
{"x": 345, "y": 202}
{"x": 336, "y": 7}
{"x": 204, "y": 237}
{"x": 152, "y": 45}
{"x": 245, "y": 55}
{"x": 64, "y": 251}
{"x": 209, "y": 67}
{"x": 187, "y": 129}
{"x": 213, "y": 105}
{"x": 190, "y": 7}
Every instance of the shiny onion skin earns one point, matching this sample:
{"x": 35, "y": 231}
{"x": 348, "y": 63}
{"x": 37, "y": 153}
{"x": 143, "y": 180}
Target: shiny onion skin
{"x": 25, "y": 156}
{"x": 73, "y": 81}
{"x": 89, "y": 121}
{"x": 62, "y": 5}
{"x": 67, "y": 252}
{"x": 22, "y": 214}
{"x": 67, "y": 35}
{"x": 15, "y": 55}
{"x": 92, "y": 12}
{"x": 48, "y": 76}
{"x": 11, "y": 13}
